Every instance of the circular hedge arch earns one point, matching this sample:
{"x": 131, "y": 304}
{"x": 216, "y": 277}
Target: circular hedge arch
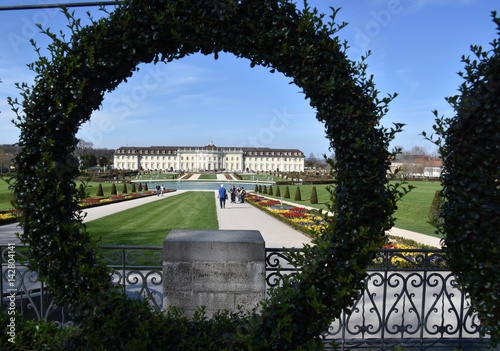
{"x": 96, "y": 59}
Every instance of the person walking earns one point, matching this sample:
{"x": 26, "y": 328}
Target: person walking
{"x": 222, "y": 196}
{"x": 243, "y": 193}
{"x": 232, "y": 191}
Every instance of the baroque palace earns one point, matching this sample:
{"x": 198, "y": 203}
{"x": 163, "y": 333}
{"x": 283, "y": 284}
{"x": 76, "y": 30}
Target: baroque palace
{"x": 208, "y": 158}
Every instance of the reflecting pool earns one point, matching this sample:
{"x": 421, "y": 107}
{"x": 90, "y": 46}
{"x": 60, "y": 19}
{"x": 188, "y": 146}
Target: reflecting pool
{"x": 202, "y": 185}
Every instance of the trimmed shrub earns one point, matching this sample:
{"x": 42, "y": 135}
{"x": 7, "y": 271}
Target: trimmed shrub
{"x": 256, "y": 188}
{"x": 145, "y": 186}
{"x": 124, "y": 189}
{"x": 435, "y": 210}
{"x": 81, "y": 191}
{"x": 314, "y": 196}
{"x": 287, "y": 193}
{"x": 278, "y": 190}
{"x": 134, "y": 190}
{"x": 270, "y": 191}
{"x": 297, "y": 196}
{"x": 113, "y": 189}
{"x": 98, "y": 58}
{"x": 264, "y": 190}
{"x": 468, "y": 145}
{"x": 100, "y": 192}
{"x": 140, "y": 187}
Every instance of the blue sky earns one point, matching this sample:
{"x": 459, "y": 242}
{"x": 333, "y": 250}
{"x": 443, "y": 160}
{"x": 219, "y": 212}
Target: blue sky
{"x": 416, "y": 48}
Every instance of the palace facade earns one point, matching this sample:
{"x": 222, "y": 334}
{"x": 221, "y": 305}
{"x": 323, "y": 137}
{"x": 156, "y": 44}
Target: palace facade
{"x": 208, "y": 158}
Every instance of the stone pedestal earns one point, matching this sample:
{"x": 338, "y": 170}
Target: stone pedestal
{"x": 218, "y": 269}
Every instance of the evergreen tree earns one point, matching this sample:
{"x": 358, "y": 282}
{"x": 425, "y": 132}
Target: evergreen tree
{"x": 124, "y": 189}
{"x": 134, "y": 190}
{"x": 113, "y": 189}
{"x": 297, "y": 197}
{"x": 435, "y": 210}
{"x": 100, "y": 192}
{"x": 278, "y": 190}
{"x": 81, "y": 191}
{"x": 140, "y": 187}
{"x": 270, "y": 191}
{"x": 264, "y": 191}
{"x": 145, "y": 186}
{"x": 314, "y": 196}
{"x": 287, "y": 193}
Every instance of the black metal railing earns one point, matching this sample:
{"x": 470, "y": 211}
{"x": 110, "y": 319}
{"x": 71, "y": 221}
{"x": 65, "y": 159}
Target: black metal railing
{"x": 410, "y": 299}
{"x": 410, "y": 296}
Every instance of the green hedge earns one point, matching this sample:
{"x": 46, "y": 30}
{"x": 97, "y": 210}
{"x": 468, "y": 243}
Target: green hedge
{"x": 470, "y": 217}
{"x": 275, "y": 34}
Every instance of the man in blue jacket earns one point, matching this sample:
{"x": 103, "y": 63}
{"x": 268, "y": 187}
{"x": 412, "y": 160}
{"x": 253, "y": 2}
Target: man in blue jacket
{"x": 222, "y": 196}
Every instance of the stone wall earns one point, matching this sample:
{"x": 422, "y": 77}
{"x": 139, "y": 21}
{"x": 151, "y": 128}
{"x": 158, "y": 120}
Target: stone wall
{"x": 217, "y": 269}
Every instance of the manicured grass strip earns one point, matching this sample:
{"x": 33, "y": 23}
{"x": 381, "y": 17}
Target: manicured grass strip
{"x": 413, "y": 209}
{"x": 149, "y": 224}
{"x": 208, "y": 176}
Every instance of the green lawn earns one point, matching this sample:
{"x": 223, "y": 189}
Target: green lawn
{"x": 149, "y": 224}
{"x": 413, "y": 208}
{"x": 207, "y": 177}
{"x": 5, "y": 195}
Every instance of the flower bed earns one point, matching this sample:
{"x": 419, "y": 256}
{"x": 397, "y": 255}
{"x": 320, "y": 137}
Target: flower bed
{"x": 299, "y": 218}
{"x": 312, "y": 225}
{"x": 98, "y": 201}
{"x": 7, "y": 217}
{"x": 401, "y": 253}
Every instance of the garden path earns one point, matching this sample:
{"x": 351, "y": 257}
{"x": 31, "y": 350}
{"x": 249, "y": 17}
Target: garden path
{"x": 243, "y": 216}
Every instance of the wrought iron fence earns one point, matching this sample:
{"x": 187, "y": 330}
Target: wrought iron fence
{"x": 410, "y": 298}
{"x": 137, "y": 268}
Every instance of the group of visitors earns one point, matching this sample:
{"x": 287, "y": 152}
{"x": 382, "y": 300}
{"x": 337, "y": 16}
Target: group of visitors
{"x": 235, "y": 193}
{"x": 160, "y": 190}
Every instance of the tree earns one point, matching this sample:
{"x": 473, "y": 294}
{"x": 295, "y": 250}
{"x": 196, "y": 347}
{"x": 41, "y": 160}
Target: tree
{"x": 278, "y": 191}
{"x": 310, "y": 161}
{"x": 124, "y": 189}
{"x": 270, "y": 191}
{"x": 113, "y": 189}
{"x": 87, "y": 161}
